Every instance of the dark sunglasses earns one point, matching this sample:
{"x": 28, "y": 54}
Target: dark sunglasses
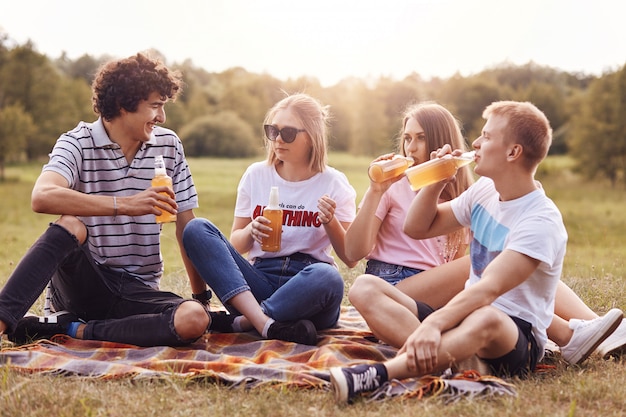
{"x": 287, "y": 134}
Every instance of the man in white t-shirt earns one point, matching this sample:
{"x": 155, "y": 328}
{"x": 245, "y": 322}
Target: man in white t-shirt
{"x": 517, "y": 250}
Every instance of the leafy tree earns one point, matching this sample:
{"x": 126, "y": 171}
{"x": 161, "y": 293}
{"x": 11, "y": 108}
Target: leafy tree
{"x": 29, "y": 80}
{"x": 550, "y": 98}
{"x": 341, "y": 112}
{"x": 596, "y": 131}
{"x": 17, "y": 76}
{"x": 467, "y": 98}
{"x": 364, "y": 121}
{"x": 397, "y": 96}
{"x": 219, "y": 113}
{"x": 16, "y": 128}
{"x": 84, "y": 68}
{"x": 372, "y": 124}
{"x": 200, "y": 97}
{"x": 4, "y": 50}
{"x": 308, "y": 85}
{"x": 249, "y": 95}
{"x": 223, "y": 134}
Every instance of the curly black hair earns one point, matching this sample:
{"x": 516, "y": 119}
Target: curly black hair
{"x": 124, "y": 83}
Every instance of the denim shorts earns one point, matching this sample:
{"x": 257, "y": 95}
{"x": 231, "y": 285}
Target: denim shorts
{"x": 390, "y": 272}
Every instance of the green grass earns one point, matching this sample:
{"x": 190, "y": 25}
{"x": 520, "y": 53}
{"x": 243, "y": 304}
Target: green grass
{"x": 594, "y": 267}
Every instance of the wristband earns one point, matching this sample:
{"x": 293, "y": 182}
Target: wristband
{"x": 203, "y": 297}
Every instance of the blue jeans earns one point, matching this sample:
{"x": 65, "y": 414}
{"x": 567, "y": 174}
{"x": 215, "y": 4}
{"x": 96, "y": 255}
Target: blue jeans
{"x": 390, "y": 272}
{"x": 290, "y": 288}
{"x": 116, "y": 306}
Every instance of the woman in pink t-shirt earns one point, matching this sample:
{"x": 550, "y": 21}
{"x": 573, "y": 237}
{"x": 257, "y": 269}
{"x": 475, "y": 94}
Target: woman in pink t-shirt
{"x": 376, "y": 233}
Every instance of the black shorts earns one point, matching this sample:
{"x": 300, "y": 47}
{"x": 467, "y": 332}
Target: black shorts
{"x": 423, "y": 310}
{"x": 521, "y": 361}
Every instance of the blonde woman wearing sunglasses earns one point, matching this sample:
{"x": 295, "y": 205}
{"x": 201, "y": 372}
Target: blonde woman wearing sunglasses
{"x": 292, "y": 293}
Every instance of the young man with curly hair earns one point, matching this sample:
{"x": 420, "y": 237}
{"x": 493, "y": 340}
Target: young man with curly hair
{"x": 102, "y": 256}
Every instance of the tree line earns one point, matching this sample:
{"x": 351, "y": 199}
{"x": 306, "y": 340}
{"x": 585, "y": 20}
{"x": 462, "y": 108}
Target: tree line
{"x": 220, "y": 114}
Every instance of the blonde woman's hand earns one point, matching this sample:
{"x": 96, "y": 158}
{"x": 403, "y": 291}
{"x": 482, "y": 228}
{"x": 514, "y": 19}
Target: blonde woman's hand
{"x": 258, "y": 228}
{"x": 326, "y": 207}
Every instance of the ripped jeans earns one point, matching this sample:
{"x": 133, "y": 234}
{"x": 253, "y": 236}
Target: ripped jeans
{"x": 116, "y": 306}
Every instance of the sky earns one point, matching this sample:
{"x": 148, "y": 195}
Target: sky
{"x": 331, "y": 39}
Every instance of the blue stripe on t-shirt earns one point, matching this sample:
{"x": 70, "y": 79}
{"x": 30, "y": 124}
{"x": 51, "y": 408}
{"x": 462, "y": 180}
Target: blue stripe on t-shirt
{"x": 488, "y": 239}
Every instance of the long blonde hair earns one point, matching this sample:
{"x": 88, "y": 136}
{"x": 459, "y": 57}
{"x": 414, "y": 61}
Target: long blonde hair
{"x": 314, "y": 118}
{"x": 440, "y": 128}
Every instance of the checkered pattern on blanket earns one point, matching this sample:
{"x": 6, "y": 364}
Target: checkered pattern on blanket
{"x": 235, "y": 359}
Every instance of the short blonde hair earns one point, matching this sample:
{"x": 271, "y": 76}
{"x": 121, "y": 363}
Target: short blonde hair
{"x": 526, "y": 125}
{"x": 314, "y": 118}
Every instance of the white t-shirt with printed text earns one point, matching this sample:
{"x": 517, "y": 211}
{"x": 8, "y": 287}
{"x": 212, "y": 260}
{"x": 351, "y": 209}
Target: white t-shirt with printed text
{"x": 302, "y": 229}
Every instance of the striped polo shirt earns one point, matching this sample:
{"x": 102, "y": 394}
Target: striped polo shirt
{"x": 93, "y": 164}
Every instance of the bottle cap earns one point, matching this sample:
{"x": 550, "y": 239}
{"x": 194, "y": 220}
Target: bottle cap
{"x": 159, "y": 165}
{"x": 273, "y": 203}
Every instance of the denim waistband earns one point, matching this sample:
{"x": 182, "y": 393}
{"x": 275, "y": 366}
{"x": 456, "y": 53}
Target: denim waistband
{"x": 300, "y": 257}
{"x": 374, "y": 263}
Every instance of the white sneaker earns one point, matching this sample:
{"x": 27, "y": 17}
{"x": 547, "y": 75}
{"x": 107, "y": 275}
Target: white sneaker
{"x": 615, "y": 344}
{"x": 588, "y": 334}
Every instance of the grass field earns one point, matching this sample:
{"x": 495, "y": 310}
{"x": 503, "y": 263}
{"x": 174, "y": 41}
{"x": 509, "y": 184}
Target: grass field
{"x": 594, "y": 267}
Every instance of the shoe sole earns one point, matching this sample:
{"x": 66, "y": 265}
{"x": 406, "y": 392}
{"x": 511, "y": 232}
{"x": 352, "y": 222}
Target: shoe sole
{"x": 221, "y": 322}
{"x": 29, "y": 333}
{"x": 311, "y": 330}
{"x": 340, "y": 385}
{"x": 588, "y": 348}
{"x": 617, "y": 348}
{"x": 309, "y": 333}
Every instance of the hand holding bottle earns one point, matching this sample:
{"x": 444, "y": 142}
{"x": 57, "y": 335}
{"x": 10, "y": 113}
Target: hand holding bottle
{"x": 161, "y": 179}
{"x": 274, "y": 216}
{"x": 388, "y": 167}
{"x": 259, "y": 228}
{"x": 444, "y": 166}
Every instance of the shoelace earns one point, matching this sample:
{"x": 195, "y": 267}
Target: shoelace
{"x": 581, "y": 324}
{"x": 366, "y": 381}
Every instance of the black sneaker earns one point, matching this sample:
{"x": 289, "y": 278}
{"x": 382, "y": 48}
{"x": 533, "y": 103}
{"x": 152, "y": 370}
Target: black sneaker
{"x": 221, "y": 322}
{"x": 348, "y": 382}
{"x": 32, "y": 328}
{"x": 301, "y": 331}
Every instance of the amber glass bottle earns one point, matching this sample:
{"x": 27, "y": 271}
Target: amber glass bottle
{"x": 275, "y": 215}
{"x": 436, "y": 170}
{"x": 385, "y": 169}
{"x": 160, "y": 179}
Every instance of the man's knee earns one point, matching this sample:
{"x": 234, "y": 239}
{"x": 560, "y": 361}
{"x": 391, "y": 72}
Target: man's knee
{"x": 74, "y": 226}
{"x": 191, "y": 320}
{"x": 488, "y": 323}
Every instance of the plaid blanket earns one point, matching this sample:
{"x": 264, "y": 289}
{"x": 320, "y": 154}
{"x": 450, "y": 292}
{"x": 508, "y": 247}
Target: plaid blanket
{"x": 243, "y": 359}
